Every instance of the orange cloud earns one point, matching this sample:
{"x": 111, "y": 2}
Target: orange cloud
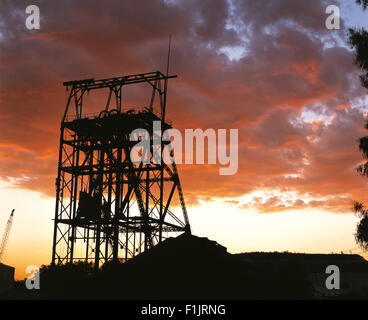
{"x": 285, "y": 70}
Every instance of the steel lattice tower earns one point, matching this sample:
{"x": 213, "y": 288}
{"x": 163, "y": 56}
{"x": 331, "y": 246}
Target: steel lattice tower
{"x": 108, "y": 207}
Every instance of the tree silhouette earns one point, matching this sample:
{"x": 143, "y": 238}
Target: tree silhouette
{"x": 358, "y": 40}
{"x": 364, "y": 3}
{"x": 361, "y": 234}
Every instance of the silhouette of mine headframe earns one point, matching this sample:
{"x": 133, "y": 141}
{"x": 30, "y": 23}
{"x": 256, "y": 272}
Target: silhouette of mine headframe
{"x": 107, "y": 206}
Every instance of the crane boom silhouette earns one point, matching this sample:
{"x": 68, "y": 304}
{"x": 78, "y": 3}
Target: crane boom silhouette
{"x": 6, "y": 236}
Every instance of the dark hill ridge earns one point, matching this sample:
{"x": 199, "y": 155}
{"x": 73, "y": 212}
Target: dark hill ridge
{"x": 302, "y": 256}
{"x": 191, "y": 267}
{"x": 183, "y": 247}
{"x": 202, "y": 249}
{"x": 186, "y": 267}
{"x": 310, "y": 261}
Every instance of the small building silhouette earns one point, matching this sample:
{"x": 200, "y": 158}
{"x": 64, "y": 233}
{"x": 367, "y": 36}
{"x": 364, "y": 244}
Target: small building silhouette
{"x": 6, "y": 279}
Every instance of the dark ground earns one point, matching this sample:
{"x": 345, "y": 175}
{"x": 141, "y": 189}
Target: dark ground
{"x": 189, "y": 267}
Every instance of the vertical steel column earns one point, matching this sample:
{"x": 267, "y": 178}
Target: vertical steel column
{"x": 61, "y": 142}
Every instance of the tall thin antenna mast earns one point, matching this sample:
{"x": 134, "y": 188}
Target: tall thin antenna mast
{"x": 168, "y": 56}
{"x": 166, "y": 80}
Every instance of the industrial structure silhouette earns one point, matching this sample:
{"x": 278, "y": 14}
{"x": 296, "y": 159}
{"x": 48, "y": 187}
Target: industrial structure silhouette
{"x": 107, "y": 205}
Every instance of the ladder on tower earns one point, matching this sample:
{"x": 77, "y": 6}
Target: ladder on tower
{"x": 6, "y": 236}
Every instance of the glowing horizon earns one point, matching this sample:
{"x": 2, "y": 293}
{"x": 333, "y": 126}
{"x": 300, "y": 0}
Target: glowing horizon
{"x": 309, "y": 231}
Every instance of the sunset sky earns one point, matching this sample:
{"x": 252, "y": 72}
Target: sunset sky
{"x": 270, "y": 69}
